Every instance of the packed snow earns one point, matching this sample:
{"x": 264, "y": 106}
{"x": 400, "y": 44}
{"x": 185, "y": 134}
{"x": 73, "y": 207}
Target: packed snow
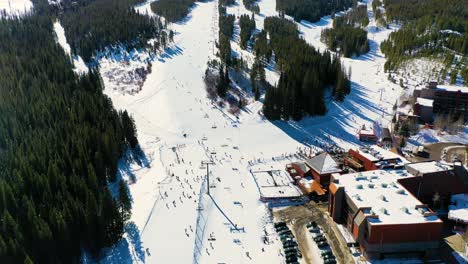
{"x": 15, "y": 7}
{"x": 174, "y": 220}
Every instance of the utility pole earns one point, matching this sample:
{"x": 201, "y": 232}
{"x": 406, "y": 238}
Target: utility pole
{"x": 207, "y": 164}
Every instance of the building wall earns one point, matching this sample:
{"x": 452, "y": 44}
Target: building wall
{"x": 424, "y": 187}
{"x": 323, "y": 179}
{"x": 335, "y": 202}
{"x": 427, "y": 93}
{"x": 368, "y": 165}
{"x": 404, "y": 233}
{"x": 425, "y": 113}
{"x": 446, "y": 101}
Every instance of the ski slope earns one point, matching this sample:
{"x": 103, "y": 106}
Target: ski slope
{"x": 79, "y": 65}
{"x": 179, "y": 128}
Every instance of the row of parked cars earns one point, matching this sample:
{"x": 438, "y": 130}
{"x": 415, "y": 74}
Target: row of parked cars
{"x": 319, "y": 237}
{"x": 290, "y": 248}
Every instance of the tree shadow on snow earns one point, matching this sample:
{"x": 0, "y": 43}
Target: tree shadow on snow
{"x": 321, "y": 23}
{"x": 122, "y": 252}
{"x": 170, "y": 52}
{"x": 372, "y": 54}
{"x": 338, "y": 122}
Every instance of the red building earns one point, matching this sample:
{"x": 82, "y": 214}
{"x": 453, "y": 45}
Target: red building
{"x": 434, "y": 183}
{"x": 382, "y": 216}
{"x": 313, "y": 175}
{"x": 372, "y": 158}
{"x": 322, "y": 167}
{"x": 367, "y": 134}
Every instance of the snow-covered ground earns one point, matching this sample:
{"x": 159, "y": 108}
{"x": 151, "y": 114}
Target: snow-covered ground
{"x": 15, "y": 7}
{"x": 178, "y": 128}
{"x": 428, "y": 136}
{"x": 80, "y": 66}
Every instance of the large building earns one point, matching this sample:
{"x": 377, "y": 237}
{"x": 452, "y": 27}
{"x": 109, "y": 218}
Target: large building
{"x": 382, "y": 216}
{"x": 434, "y": 183}
{"x": 392, "y": 212}
{"x": 441, "y": 99}
{"x": 372, "y": 158}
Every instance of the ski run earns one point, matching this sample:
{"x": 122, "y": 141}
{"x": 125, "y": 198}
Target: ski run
{"x": 174, "y": 220}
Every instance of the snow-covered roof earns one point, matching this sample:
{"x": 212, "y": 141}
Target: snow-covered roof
{"x": 459, "y": 210}
{"x": 453, "y": 88}
{"x": 323, "y": 164}
{"x": 427, "y": 167}
{"x": 425, "y": 102}
{"x": 375, "y": 153}
{"x": 388, "y": 200}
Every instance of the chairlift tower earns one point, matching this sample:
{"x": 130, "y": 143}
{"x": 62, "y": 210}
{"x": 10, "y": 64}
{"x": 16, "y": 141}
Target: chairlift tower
{"x": 207, "y": 164}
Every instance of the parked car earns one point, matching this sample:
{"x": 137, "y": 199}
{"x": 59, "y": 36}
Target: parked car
{"x": 285, "y": 232}
{"x": 314, "y": 235}
{"x": 311, "y": 224}
{"x": 280, "y": 228}
{"x": 326, "y": 252}
{"x": 289, "y": 250}
{"x": 291, "y": 259}
{"x": 314, "y": 230}
{"x": 322, "y": 244}
{"x": 330, "y": 261}
{"x": 290, "y": 244}
{"x": 278, "y": 224}
{"x": 289, "y": 247}
{"x": 320, "y": 239}
{"x": 285, "y": 239}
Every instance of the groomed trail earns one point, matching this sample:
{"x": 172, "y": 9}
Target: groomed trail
{"x": 179, "y": 128}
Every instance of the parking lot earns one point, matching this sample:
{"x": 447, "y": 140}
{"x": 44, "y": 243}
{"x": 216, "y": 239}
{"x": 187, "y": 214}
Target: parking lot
{"x": 299, "y": 219}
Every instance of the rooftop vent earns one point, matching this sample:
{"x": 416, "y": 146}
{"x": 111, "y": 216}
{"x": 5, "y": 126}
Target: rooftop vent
{"x": 401, "y": 191}
{"x": 371, "y": 185}
{"x": 383, "y": 198}
{"x": 405, "y": 210}
{"x": 358, "y": 197}
{"x": 359, "y": 186}
{"x": 384, "y": 185}
{"x": 384, "y": 210}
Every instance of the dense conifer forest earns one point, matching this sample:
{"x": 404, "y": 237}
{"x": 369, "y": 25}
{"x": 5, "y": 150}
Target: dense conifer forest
{"x": 247, "y": 26}
{"x": 172, "y": 10}
{"x": 226, "y": 29}
{"x": 60, "y": 141}
{"x": 346, "y": 36}
{"x": 312, "y": 10}
{"x": 305, "y": 74}
{"x": 429, "y": 28}
{"x": 251, "y": 5}
{"x": 91, "y": 25}
{"x": 226, "y": 2}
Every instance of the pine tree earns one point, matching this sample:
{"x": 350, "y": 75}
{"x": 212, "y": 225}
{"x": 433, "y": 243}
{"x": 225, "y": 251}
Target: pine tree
{"x": 129, "y": 128}
{"x": 124, "y": 201}
{"x": 28, "y": 260}
{"x": 257, "y": 93}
